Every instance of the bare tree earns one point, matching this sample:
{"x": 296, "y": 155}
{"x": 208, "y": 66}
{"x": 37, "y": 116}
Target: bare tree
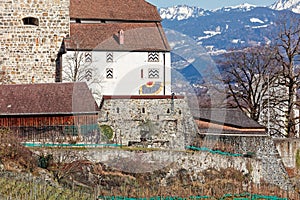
{"x": 248, "y": 76}
{"x": 78, "y": 67}
{"x": 75, "y": 67}
{"x": 263, "y": 81}
{"x": 287, "y": 55}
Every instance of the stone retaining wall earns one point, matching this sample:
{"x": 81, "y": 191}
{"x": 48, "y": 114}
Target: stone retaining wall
{"x": 262, "y": 149}
{"x": 174, "y": 161}
{"x": 288, "y": 149}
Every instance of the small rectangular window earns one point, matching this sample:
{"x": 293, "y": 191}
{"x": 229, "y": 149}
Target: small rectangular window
{"x": 153, "y": 73}
{"x": 153, "y": 57}
{"x": 109, "y": 73}
{"x": 30, "y": 21}
{"x": 88, "y": 57}
{"x": 109, "y": 57}
{"x": 88, "y": 74}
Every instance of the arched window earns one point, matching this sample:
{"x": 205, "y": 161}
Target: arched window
{"x": 30, "y": 21}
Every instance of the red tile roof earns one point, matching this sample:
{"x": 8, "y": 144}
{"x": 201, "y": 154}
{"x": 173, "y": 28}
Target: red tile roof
{"x": 104, "y": 36}
{"x": 136, "y": 10}
{"x": 50, "y": 98}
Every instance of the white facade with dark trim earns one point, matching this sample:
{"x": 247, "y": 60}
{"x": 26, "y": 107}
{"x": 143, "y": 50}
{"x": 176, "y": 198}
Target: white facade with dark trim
{"x": 125, "y": 73}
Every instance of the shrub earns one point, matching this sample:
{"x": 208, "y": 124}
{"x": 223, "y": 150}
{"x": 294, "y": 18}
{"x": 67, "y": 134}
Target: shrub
{"x": 11, "y": 150}
{"x": 107, "y": 132}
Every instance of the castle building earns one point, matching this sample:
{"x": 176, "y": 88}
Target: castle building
{"x": 118, "y": 47}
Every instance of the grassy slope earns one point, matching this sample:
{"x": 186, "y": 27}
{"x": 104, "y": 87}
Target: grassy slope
{"x": 13, "y": 188}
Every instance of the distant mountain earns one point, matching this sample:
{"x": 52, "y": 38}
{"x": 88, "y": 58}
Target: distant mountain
{"x": 182, "y": 12}
{"x": 220, "y": 30}
{"x": 226, "y": 28}
{"x": 293, "y": 5}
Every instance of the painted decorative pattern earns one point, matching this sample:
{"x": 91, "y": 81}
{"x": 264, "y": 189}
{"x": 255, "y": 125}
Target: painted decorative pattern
{"x": 88, "y": 57}
{"x": 109, "y": 57}
{"x": 109, "y": 73}
{"x": 151, "y": 88}
{"x": 88, "y": 74}
{"x": 153, "y": 73}
{"x": 153, "y": 57}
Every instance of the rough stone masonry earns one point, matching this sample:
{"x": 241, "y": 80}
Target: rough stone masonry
{"x": 31, "y": 33}
{"x": 157, "y": 122}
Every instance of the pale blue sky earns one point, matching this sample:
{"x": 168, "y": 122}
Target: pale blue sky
{"x": 209, "y": 4}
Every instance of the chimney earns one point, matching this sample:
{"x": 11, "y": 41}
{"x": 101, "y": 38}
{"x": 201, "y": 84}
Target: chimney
{"x": 121, "y": 37}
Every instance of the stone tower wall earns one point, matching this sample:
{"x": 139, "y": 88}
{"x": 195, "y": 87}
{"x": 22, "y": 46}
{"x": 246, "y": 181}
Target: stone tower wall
{"x": 28, "y": 52}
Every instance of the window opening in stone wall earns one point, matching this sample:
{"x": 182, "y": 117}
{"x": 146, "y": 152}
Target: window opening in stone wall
{"x": 143, "y": 110}
{"x": 109, "y": 73}
{"x": 153, "y": 57}
{"x": 168, "y": 111}
{"x": 153, "y": 73}
{"x": 30, "y": 21}
{"x": 107, "y": 113}
{"x": 109, "y": 57}
{"x": 118, "y": 110}
{"x": 179, "y": 112}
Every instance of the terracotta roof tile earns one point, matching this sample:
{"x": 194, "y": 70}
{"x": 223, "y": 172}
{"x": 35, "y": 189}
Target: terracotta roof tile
{"x": 102, "y": 36}
{"x": 50, "y": 98}
{"x": 136, "y": 10}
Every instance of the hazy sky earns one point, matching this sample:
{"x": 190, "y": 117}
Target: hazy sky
{"x": 209, "y": 4}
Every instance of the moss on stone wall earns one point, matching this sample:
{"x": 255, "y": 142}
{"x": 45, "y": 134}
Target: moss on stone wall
{"x": 107, "y": 131}
{"x": 298, "y": 159}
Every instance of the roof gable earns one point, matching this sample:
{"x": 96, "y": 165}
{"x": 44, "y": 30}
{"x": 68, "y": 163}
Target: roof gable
{"x": 50, "y": 98}
{"x": 132, "y": 10}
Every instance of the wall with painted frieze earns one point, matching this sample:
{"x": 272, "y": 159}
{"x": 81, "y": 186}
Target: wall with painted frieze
{"x": 121, "y": 73}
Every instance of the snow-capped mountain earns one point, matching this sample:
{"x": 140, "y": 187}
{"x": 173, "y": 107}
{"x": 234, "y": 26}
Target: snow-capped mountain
{"x": 293, "y": 5}
{"x": 182, "y": 12}
{"x": 217, "y": 31}
{"x": 243, "y": 7}
{"x": 226, "y": 28}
